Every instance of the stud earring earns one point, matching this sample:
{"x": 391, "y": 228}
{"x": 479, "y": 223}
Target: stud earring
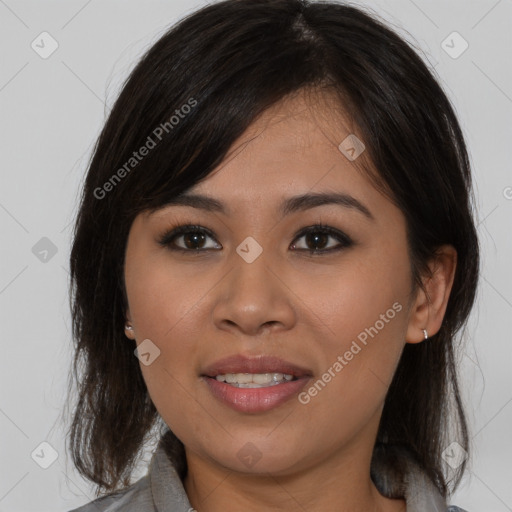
{"x": 425, "y": 333}
{"x": 128, "y": 327}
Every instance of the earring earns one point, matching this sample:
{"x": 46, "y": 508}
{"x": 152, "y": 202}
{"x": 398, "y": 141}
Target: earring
{"x": 128, "y": 327}
{"x": 425, "y": 333}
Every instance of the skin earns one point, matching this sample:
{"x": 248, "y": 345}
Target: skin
{"x": 307, "y": 309}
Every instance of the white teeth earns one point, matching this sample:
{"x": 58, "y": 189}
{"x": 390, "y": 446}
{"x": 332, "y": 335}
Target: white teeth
{"x": 242, "y": 378}
{"x": 254, "y": 380}
{"x": 265, "y": 378}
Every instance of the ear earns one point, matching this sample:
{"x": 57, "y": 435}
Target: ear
{"x": 128, "y": 328}
{"x": 429, "y": 308}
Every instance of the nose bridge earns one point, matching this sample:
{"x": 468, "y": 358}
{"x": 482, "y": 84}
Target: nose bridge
{"x": 252, "y": 294}
{"x": 251, "y": 282}
{"x": 250, "y": 268}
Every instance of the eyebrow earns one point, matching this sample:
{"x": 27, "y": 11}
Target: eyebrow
{"x": 289, "y": 205}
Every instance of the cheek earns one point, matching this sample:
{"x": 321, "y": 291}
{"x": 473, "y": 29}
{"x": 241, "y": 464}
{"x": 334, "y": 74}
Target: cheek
{"x": 347, "y": 301}
{"x": 167, "y": 308}
{"x": 362, "y": 312}
{"x": 164, "y": 300}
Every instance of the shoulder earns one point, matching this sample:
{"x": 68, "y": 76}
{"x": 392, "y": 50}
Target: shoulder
{"x": 135, "y": 498}
{"x": 160, "y": 490}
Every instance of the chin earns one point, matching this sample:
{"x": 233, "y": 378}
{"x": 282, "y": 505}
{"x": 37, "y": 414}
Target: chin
{"x": 259, "y": 457}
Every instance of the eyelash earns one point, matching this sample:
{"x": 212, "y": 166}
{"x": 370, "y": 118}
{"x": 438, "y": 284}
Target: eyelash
{"x": 167, "y": 239}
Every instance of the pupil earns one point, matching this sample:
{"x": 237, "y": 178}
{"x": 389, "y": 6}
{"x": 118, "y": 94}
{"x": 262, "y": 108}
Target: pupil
{"x": 317, "y": 239}
{"x": 196, "y": 237}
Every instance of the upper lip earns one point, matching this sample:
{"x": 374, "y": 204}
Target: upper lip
{"x": 256, "y": 364}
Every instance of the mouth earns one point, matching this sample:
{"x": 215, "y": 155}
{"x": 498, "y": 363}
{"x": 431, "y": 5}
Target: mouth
{"x": 254, "y": 384}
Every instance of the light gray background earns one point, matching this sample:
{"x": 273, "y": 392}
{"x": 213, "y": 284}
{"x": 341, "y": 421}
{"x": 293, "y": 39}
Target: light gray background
{"x": 51, "y": 113}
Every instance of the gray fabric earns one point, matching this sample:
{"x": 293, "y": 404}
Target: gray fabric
{"x": 161, "y": 490}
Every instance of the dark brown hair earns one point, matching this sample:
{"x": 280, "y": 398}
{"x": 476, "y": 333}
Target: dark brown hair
{"x": 229, "y": 62}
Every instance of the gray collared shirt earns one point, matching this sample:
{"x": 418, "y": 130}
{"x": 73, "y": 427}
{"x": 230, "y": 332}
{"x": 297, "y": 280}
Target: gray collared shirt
{"x": 161, "y": 490}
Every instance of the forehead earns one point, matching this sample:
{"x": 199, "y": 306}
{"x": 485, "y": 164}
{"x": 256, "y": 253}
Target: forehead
{"x": 292, "y": 146}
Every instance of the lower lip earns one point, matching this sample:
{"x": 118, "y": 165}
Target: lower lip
{"x": 254, "y": 400}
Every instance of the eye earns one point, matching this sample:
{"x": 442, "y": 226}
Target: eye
{"x": 318, "y": 236}
{"x": 191, "y": 238}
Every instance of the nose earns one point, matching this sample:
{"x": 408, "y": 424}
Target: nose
{"x": 254, "y": 297}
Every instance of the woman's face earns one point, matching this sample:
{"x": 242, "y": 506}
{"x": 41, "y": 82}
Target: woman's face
{"x": 334, "y": 322}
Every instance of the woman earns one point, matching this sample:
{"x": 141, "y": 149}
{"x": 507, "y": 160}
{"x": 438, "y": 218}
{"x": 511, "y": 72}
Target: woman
{"x": 274, "y": 252}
